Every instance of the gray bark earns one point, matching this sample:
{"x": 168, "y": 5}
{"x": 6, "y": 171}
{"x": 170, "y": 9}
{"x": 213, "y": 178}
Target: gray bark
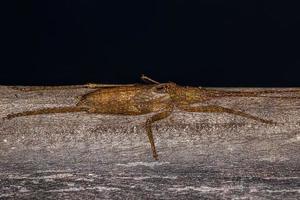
{"x": 201, "y": 155}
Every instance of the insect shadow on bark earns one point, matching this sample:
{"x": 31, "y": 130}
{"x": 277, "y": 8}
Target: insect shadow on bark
{"x": 154, "y": 97}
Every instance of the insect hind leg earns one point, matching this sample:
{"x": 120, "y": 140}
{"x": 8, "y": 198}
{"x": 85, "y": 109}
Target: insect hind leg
{"x": 46, "y": 111}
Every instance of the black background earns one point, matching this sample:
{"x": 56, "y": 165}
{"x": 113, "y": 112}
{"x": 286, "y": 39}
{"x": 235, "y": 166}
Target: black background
{"x": 199, "y": 42}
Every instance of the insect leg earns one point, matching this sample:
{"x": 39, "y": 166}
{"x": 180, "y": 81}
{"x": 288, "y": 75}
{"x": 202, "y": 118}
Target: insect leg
{"x": 46, "y": 111}
{"x": 148, "y": 80}
{"x": 67, "y": 87}
{"x": 44, "y": 88}
{"x": 98, "y": 85}
{"x": 258, "y": 93}
{"x": 220, "y": 109}
{"x": 156, "y": 117}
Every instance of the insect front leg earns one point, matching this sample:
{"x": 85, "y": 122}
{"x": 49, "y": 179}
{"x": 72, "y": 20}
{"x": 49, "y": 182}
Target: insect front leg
{"x": 149, "y": 122}
{"x": 220, "y": 109}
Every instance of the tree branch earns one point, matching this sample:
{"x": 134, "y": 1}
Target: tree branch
{"x": 206, "y": 155}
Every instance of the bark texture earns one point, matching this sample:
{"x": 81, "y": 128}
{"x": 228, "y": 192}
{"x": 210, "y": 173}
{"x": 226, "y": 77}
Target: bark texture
{"x": 201, "y": 155}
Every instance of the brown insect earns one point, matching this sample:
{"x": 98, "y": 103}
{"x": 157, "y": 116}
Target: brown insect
{"x": 158, "y": 98}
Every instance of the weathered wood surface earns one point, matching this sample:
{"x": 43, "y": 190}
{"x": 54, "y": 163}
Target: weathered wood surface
{"x": 201, "y": 155}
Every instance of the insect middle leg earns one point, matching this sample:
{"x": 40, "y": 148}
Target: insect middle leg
{"x": 220, "y": 109}
{"x": 148, "y": 80}
{"x": 149, "y": 122}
